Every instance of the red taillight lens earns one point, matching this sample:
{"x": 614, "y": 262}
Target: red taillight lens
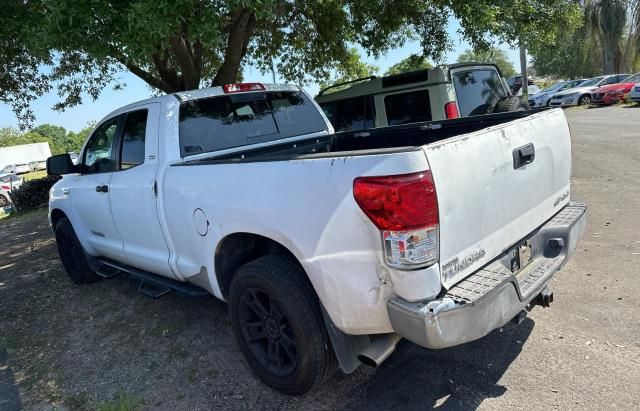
{"x": 403, "y": 202}
{"x": 4, "y": 187}
{"x": 451, "y": 110}
{"x": 240, "y": 87}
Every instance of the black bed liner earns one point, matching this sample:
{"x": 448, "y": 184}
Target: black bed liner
{"x": 381, "y": 140}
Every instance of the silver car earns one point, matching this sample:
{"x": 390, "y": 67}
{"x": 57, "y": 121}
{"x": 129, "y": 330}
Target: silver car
{"x": 543, "y": 98}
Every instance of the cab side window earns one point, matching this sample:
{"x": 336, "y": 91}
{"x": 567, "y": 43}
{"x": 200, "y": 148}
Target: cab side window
{"x": 133, "y": 139}
{"x": 100, "y": 154}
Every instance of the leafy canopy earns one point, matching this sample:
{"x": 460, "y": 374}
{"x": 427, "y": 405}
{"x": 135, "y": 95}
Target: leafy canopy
{"x": 60, "y": 140}
{"x": 495, "y": 56}
{"x": 78, "y": 47}
{"x": 411, "y": 63}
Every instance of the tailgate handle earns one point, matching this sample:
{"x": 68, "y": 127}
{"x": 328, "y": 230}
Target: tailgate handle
{"x": 523, "y": 155}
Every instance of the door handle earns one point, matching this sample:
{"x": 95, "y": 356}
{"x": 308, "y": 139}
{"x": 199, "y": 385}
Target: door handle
{"x": 523, "y": 155}
{"x": 102, "y": 189}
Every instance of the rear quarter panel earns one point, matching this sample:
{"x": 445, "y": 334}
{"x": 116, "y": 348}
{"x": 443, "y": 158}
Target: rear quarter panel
{"x": 307, "y": 206}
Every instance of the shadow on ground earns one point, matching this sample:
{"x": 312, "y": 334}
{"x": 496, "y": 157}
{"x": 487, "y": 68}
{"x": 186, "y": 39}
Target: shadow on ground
{"x": 83, "y": 346}
{"x": 455, "y": 378}
{"x": 9, "y": 395}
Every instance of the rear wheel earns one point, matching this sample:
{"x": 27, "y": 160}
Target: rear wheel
{"x": 277, "y": 322}
{"x": 584, "y": 100}
{"x": 72, "y": 255}
{"x": 510, "y": 103}
{"x": 4, "y": 201}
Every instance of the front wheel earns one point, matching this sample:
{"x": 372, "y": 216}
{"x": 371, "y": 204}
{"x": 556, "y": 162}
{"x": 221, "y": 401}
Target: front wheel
{"x": 72, "y": 255}
{"x": 277, "y": 322}
{"x": 584, "y": 100}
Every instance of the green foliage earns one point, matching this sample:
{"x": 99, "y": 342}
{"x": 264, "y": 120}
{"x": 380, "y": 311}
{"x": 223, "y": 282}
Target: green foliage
{"x": 569, "y": 57}
{"x": 411, "y": 63}
{"x": 33, "y": 193}
{"x": 60, "y": 140}
{"x": 354, "y": 68}
{"x": 81, "y": 47}
{"x": 607, "y": 41}
{"x": 495, "y": 56}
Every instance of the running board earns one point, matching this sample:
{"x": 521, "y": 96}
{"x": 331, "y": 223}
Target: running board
{"x": 152, "y": 285}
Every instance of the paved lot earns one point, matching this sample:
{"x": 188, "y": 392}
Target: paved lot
{"x": 104, "y": 344}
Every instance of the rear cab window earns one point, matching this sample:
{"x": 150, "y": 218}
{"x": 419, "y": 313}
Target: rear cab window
{"x": 408, "y": 107}
{"x": 236, "y": 120}
{"x": 355, "y": 113}
{"x": 477, "y": 90}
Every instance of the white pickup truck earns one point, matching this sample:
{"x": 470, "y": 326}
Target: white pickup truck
{"x": 329, "y": 247}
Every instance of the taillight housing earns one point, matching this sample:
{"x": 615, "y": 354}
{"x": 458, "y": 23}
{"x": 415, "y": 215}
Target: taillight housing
{"x": 451, "y": 110}
{"x": 5, "y": 187}
{"x": 242, "y": 87}
{"x": 405, "y": 209}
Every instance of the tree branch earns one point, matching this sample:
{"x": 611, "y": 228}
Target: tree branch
{"x": 243, "y": 22}
{"x": 182, "y": 52}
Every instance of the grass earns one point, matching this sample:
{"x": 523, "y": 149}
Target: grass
{"x": 34, "y": 175}
{"x": 122, "y": 403}
{"x": 11, "y": 216}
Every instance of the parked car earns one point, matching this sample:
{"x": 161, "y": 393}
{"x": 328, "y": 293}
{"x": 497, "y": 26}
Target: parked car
{"x": 5, "y": 200}
{"x": 10, "y": 181}
{"x": 543, "y": 98}
{"x": 581, "y": 94}
{"x": 634, "y": 94}
{"x": 515, "y": 83}
{"x": 613, "y": 93}
{"x": 426, "y": 231}
{"x": 444, "y": 92}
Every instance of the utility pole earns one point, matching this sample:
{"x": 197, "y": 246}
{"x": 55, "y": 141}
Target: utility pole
{"x": 523, "y": 70}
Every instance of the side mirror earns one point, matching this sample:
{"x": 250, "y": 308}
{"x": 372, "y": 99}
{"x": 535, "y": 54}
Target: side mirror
{"x": 60, "y": 164}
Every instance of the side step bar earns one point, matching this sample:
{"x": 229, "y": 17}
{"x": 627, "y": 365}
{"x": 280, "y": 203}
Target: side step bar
{"x": 151, "y": 285}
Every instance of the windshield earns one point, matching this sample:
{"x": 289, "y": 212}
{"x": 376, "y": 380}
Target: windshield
{"x": 591, "y": 82}
{"x": 235, "y": 120}
{"x": 555, "y": 87}
{"x": 632, "y": 79}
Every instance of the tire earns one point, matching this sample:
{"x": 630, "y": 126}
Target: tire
{"x": 278, "y": 325}
{"x": 510, "y": 103}
{"x": 584, "y": 100}
{"x": 72, "y": 255}
{"x": 4, "y": 201}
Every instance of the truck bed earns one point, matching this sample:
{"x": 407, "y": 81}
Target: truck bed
{"x": 369, "y": 141}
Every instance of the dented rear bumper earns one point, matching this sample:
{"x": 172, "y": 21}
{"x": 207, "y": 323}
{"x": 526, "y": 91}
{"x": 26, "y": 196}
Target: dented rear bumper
{"x": 492, "y": 296}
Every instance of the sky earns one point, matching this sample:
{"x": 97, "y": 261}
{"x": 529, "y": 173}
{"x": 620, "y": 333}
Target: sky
{"x": 77, "y": 117}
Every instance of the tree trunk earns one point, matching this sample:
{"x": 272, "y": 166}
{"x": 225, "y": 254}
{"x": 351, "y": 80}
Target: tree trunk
{"x": 240, "y": 31}
{"x": 523, "y": 70}
{"x": 608, "y": 54}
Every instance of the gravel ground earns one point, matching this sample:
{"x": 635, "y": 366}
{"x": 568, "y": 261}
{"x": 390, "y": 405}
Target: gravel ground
{"x": 105, "y": 345}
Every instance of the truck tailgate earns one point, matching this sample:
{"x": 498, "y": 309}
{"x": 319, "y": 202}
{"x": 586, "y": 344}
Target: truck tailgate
{"x": 497, "y": 185}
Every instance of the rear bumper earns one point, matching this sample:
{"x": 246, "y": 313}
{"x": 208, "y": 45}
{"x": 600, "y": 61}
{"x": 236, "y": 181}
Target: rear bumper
{"x": 491, "y": 297}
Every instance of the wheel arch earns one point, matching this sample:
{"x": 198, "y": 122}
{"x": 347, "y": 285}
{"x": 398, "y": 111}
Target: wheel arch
{"x": 236, "y": 249}
{"x": 57, "y": 215}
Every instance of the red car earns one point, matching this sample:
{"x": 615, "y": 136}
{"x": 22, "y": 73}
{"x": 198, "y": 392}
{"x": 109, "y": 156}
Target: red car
{"x": 613, "y": 93}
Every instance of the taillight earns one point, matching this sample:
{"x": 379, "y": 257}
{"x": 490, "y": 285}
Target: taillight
{"x": 4, "y": 187}
{"x": 451, "y": 110}
{"x": 405, "y": 209}
{"x": 240, "y": 87}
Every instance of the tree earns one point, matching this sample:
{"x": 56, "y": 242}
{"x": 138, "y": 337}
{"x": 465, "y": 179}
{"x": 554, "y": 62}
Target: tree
{"x": 495, "y": 56}
{"x": 74, "y": 141}
{"x": 81, "y": 47}
{"x": 615, "y": 31}
{"x": 411, "y": 63}
{"x": 353, "y": 70}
